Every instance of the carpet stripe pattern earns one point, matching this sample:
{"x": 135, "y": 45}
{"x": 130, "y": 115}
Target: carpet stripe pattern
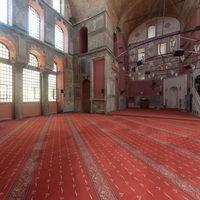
{"x": 128, "y": 155}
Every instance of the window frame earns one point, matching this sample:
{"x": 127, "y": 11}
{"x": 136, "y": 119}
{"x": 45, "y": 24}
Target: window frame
{"x": 33, "y": 70}
{"x": 6, "y": 12}
{"x": 149, "y": 33}
{"x": 38, "y": 34}
{"x": 160, "y": 52}
{"x": 57, "y": 45}
{"x": 28, "y": 82}
{"x": 6, "y": 76}
{"x": 60, "y": 7}
{"x": 52, "y": 87}
{"x": 35, "y": 60}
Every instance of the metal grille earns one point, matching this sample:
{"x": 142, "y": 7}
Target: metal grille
{"x": 34, "y": 23}
{"x": 6, "y": 83}
{"x": 33, "y": 60}
{"x": 55, "y": 68}
{"x": 52, "y": 87}
{"x": 4, "y": 11}
{"x": 59, "y": 38}
{"x": 57, "y": 5}
{"x": 31, "y": 86}
{"x": 4, "y": 52}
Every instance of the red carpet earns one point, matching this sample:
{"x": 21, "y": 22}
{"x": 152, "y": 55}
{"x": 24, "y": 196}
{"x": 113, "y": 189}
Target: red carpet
{"x": 129, "y": 155}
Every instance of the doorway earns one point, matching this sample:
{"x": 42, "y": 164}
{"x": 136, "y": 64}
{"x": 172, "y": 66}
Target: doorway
{"x": 86, "y": 104}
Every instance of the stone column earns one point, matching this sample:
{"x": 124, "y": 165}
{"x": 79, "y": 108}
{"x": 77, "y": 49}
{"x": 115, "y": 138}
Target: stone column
{"x": 44, "y": 93}
{"x": 18, "y": 89}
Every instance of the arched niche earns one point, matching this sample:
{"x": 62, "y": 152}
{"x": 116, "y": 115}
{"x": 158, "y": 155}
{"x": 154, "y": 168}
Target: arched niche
{"x": 84, "y": 40}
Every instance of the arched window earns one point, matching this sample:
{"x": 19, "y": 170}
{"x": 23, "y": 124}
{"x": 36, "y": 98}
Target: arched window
{"x": 6, "y": 82}
{"x": 152, "y": 31}
{"x": 34, "y": 23}
{"x": 59, "y": 38}
{"x": 33, "y": 61}
{"x": 57, "y": 5}
{"x": 84, "y": 40}
{"x": 55, "y": 67}
{"x": 31, "y": 81}
{"x": 4, "y": 11}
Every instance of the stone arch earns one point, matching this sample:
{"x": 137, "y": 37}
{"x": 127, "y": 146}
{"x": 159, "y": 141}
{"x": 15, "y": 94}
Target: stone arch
{"x": 40, "y": 56}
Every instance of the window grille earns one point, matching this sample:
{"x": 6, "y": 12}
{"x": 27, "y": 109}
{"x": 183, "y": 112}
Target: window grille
{"x": 59, "y": 38}
{"x": 52, "y": 87}
{"x": 34, "y": 23}
{"x": 31, "y": 86}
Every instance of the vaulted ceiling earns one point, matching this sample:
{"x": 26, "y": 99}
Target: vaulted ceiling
{"x": 131, "y": 13}
{"x": 128, "y": 14}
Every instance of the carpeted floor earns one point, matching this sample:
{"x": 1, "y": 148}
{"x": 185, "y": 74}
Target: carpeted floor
{"x": 129, "y": 155}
